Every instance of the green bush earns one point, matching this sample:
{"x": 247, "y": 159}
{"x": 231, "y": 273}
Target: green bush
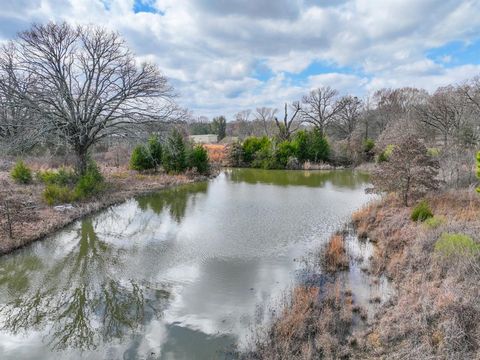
{"x": 265, "y": 159}
{"x": 434, "y": 222}
{"x": 368, "y": 145}
{"x": 155, "y": 151}
{"x": 385, "y": 154}
{"x": 421, "y": 212}
{"x": 285, "y": 150}
{"x": 300, "y": 143}
{"x": 318, "y": 147}
{"x": 253, "y": 144}
{"x": 198, "y": 159}
{"x": 57, "y": 194}
{"x": 174, "y": 154}
{"x": 433, "y": 152}
{"x": 61, "y": 176}
{"x": 21, "y": 173}
{"x": 456, "y": 244}
{"x": 90, "y": 183}
{"x": 140, "y": 159}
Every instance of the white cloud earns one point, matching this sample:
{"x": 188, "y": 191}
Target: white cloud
{"x": 211, "y": 49}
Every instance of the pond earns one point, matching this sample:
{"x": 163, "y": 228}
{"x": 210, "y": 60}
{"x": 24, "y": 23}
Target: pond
{"x": 183, "y": 273}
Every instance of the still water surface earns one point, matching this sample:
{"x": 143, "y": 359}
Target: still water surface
{"x": 180, "y": 274}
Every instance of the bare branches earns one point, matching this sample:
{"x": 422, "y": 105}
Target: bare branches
{"x": 84, "y": 83}
{"x": 347, "y": 118}
{"x": 266, "y": 116}
{"x": 285, "y": 129}
{"x": 320, "y": 107}
{"x": 443, "y": 111}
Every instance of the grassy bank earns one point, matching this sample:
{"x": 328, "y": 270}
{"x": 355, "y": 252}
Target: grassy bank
{"x": 434, "y": 312}
{"x": 32, "y": 219}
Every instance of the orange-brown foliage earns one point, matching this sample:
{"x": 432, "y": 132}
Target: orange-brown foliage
{"x": 335, "y": 257}
{"x": 217, "y": 153}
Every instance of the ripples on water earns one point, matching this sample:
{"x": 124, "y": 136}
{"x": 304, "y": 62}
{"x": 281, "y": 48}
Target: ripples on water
{"x": 179, "y": 274}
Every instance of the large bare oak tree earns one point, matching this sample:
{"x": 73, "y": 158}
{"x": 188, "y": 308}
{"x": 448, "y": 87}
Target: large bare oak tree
{"x": 320, "y": 107}
{"x": 84, "y": 84}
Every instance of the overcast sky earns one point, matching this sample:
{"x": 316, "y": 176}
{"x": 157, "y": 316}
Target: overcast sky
{"x": 228, "y": 55}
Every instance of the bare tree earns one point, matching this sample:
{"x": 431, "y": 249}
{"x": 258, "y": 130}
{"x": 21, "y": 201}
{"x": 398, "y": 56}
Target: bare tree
{"x": 348, "y": 117}
{"x": 243, "y": 115}
{"x": 16, "y": 121}
{"x": 320, "y": 107}
{"x": 471, "y": 91}
{"x": 266, "y": 116}
{"x": 443, "y": 112}
{"x": 409, "y": 171}
{"x": 87, "y": 84}
{"x": 287, "y": 128}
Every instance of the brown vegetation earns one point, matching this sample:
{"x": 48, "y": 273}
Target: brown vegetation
{"x": 334, "y": 257}
{"x": 217, "y": 153}
{"x": 315, "y": 324}
{"x": 433, "y": 314}
{"x": 436, "y": 312}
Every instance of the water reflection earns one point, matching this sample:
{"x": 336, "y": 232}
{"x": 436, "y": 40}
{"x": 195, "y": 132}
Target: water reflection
{"x": 318, "y": 178}
{"x": 172, "y": 200}
{"x": 180, "y": 274}
{"x": 80, "y": 296}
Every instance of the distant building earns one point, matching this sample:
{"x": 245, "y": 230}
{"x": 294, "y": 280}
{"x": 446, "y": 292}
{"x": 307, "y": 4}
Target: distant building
{"x": 229, "y": 140}
{"x": 204, "y": 139}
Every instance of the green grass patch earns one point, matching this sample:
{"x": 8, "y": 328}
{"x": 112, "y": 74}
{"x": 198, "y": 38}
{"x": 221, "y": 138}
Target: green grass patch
{"x": 456, "y": 244}
{"x": 62, "y": 177}
{"x": 58, "y": 194}
{"x": 434, "y": 222}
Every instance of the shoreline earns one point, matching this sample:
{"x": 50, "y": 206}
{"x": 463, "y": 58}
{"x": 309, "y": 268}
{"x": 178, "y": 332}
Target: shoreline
{"x": 323, "y": 317}
{"x": 33, "y": 220}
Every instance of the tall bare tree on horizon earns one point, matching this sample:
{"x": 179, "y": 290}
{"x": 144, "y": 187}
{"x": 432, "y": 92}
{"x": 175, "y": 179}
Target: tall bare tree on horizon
{"x": 320, "y": 107}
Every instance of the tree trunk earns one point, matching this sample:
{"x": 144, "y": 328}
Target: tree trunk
{"x": 405, "y": 194}
{"x": 81, "y": 164}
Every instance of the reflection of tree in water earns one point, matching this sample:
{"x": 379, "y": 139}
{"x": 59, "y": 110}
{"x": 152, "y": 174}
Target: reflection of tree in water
{"x": 173, "y": 200}
{"x": 315, "y": 178}
{"x": 81, "y": 297}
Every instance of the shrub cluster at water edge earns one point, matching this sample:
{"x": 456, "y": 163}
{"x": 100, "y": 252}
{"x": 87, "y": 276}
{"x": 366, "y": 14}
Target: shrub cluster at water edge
{"x": 266, "y": 153}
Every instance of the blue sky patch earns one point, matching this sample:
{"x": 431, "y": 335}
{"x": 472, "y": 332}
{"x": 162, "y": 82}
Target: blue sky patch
{"x": 456, "y": 53}
{"x": 146, "y": 6}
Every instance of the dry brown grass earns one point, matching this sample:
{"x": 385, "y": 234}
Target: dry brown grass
{"x": 316, "y": 323}
{"x": 436, "y": 311}
{"x": 217, "y": 153}
{"x": 334, "y": 256}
